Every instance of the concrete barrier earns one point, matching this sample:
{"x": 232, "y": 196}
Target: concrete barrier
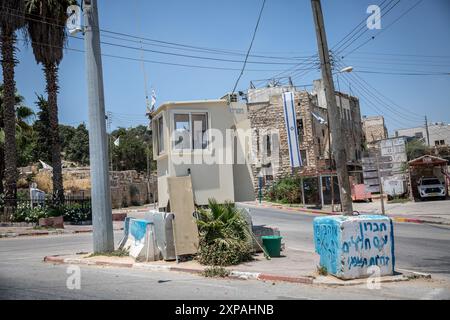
{"x": 352, "y": 247}
{"x": 139, "y": 240}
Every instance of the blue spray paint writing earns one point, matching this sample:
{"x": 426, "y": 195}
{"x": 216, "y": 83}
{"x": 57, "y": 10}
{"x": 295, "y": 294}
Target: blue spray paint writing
{"x": 377, "y": 260}
{"x": 326, "y": 236}
{"x": 361, "y": 242}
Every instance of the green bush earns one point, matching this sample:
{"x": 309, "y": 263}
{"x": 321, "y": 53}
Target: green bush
{"x": 286, "y": 190}
{"x": 25, "y": 213}
{"x": 224, "y": 235}
{"x": 77, "y": 213}
{"x": 73, "y": 213}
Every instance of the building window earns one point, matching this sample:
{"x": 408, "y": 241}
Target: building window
{"x": 300, "y": 130}
{"x": 320, "y": 146}
{"x": 268, "y": 146}
{"x": 182, "y": 132}
{"x": 159, "y": 128}
{"x": 199, "y": 125}
{"x": 418, "y": 135}
{"x": 304, "y": 159}
{"x": 439, "y": 142}
{"x": 190, "y": 129}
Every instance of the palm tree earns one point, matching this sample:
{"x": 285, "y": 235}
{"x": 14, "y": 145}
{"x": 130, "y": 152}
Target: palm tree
{"x": 224, "y": 235}
{"x": 22, "y": 116}
{"x": 11, "y": 19}
{"x": 46, "y": 29}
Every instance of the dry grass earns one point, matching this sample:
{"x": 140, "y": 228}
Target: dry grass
{"x": 44, "y": 182}
{"x": 75, "y": 184}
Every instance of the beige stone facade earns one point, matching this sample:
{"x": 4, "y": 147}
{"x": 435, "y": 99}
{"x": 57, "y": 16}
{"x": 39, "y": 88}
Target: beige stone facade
{"x": 374, "y": 129}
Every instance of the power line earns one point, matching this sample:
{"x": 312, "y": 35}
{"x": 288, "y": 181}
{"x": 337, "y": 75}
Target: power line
{"x": 384, "y": 29}
{"x": 387, "y": 107}
{"x": 361, "y": 27}
{"x": 387, "y": 98}
{"x": 366, "y": 30}
{"x": 250, "y": 47}
{"x": 362, "y": 96}
{"x": 404, "y": 73}
{"x": 156, "y": 61}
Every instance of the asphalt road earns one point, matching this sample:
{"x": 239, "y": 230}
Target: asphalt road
{"x": 23, "y": 275}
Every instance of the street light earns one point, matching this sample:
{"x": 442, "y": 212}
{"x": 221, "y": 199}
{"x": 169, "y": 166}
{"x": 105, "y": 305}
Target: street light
{"x": 346, "y": 69}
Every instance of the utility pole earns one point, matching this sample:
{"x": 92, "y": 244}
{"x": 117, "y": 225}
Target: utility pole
{"x": 426, "y": 128}
{"x": 330, "y": 157}
{"x": 340, "y": 155}
{"x": 109, "y": 132}
{"x": 98, "y": 147}
{"x": 380, "y": 184}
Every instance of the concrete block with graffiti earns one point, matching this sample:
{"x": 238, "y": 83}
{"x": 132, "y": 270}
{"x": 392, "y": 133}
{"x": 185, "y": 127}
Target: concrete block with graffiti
{"x": 350, "y": 245}
{"x": 139, "y": 240}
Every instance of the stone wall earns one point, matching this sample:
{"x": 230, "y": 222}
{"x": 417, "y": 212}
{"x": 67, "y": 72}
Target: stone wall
{"x": 128, "y": 188}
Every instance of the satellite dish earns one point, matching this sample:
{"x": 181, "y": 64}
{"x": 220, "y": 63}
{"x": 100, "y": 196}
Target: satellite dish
{"x": 73, "y": 22}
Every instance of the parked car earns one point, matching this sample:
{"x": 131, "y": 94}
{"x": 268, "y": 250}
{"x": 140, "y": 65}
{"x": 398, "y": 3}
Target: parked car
{"x": 431, "y": 187}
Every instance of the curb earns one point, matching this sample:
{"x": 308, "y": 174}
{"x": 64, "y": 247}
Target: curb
{"x": 234, "y": 274}
{"x": 242, "y": 275}
{"x": 312, "y": 211}
{"x": 45, "y": 233}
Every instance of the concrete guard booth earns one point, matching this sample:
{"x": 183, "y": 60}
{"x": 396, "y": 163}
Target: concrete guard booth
{"x": 352, "y": 247}
{"x": 427, "y": 166}
{"x": 190, "y": 138}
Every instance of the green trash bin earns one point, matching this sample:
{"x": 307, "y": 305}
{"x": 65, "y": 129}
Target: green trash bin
{"x": 272, "y": 244}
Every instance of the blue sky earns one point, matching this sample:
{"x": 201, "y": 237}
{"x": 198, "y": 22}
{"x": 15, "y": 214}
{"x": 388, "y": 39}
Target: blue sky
{"x": 418, "y": 42}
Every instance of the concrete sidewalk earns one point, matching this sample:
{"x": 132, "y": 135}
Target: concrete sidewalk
{"x": 436, "y": 212}
{"x": 20, "y": 231}
{"x": 294, "y": 266}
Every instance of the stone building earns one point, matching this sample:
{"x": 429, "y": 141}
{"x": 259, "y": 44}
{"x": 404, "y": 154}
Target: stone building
{"x": 374, "y": 128}
{"x": 269, "y": 135}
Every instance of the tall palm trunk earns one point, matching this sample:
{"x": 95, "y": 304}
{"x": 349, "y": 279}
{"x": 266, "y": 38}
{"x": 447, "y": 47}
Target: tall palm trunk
{"x": 51, "y": 76}
{"x": 9, "y": 116}
{"x": 2, "y": 168}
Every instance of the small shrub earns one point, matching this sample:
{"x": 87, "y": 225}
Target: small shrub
{"x": 322, "y": 270}
{"x": 115, "y": 253}
{"x": 25, "y": 213}
{"x": 216, "y": 272}
{"x": 286, "y": 190}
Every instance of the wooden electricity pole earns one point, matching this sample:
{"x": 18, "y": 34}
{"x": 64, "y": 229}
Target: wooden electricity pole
{"x": 338, "y": 145}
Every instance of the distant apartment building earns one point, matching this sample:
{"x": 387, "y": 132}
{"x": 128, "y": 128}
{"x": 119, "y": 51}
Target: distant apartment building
{"x": 438, "y": 134}
{"x": 374, "y": 128}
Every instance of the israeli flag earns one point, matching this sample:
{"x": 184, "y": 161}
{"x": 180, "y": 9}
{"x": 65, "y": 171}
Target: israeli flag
{"x": 153, "y": 103}
{"x": 318, "y": 118}
{"x": 291, "y": 129}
